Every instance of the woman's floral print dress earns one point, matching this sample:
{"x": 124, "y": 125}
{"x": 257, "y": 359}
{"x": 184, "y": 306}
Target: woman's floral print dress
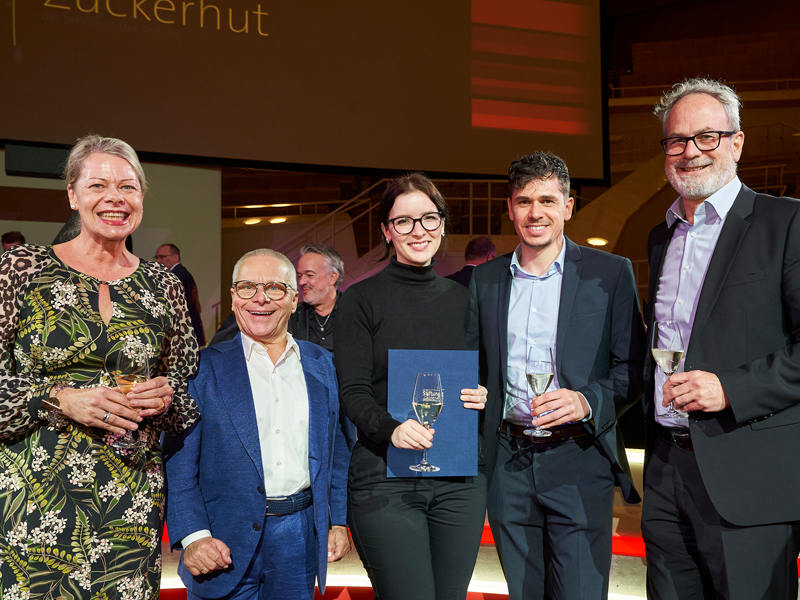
{"x": 79, "y": 519}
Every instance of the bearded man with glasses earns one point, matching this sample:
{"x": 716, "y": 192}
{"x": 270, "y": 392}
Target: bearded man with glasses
{"x": 720, "y": 517}
{"x": 258, "y": 487}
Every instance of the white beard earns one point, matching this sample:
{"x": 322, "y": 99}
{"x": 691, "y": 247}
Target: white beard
{"x": 721, "y": 171}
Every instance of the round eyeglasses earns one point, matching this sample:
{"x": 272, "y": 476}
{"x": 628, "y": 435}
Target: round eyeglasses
{"x": 429, "y": 221}
{"x": 274, "y": 290}
{"x": 705, "y": 142}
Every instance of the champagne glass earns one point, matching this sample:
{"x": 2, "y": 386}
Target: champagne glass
{"x": 539, "y": 371}
{"x": 427, "y": 402}
{"x": 668, "y": 351}
{"x": 133, "y": 367}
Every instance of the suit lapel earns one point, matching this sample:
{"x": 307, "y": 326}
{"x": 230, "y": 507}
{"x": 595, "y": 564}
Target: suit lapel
{"x": 657, "y": 254}
{"x": 503, "y": 302}
{"x": 233, "y": 383}
{"x": 569, "y": 289}
{"x": 730, "y": 238}
{"x": 318, "y": 411}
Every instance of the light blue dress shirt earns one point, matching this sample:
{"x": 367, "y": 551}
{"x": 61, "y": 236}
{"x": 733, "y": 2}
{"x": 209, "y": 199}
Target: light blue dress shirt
{"x": 685, "y": 266}
{"x": 532, "y": 321}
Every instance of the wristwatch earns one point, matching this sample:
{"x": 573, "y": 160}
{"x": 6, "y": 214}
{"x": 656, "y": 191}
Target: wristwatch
{"x": 55, "y": 417}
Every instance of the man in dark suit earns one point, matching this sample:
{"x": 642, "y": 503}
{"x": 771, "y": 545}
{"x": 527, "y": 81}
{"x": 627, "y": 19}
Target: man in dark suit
{"x": 551, "y": 498}
{"x": 169, "y": 256}
{"x": 258, "y": 487}
{"x": 478, "y": 251}
{"x": 720, "y": 515}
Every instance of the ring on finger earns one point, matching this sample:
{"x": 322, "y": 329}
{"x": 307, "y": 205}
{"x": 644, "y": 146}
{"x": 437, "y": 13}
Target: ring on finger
{"x": 106, "y": 416}
{"x": 204, "y": 569}
{"x": 163, "y": 405}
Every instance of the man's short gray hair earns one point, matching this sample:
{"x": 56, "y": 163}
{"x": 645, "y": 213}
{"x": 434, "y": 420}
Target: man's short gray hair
{"x": 332, "y": 259}
{"x": 698, "y": 85}
{"x": 271, "y": 254}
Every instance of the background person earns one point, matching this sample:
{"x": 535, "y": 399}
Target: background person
{"x": 417, "y": 538}
{"x": 70, "y": 310}
{"x": 269, "y": 441}
{"x": 320, "y": 272}
{"x": 169, "y": 256}
{"x": 720, "y": 514}
{"x": 11, "y": 239}
{"x": 478, "y": 251}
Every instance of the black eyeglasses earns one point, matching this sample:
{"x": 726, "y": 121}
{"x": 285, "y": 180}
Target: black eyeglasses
{"x": 705, "y": 142}
{"x": 429, "y": 221}
{"x": 274, "y": 290}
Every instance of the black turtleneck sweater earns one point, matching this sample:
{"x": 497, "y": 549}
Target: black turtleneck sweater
{"x": 402, "y": 307}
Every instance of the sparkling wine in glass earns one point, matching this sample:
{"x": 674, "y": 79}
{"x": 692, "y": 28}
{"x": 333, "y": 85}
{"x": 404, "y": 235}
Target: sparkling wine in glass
{"x": 539, "y": 371}
{"x": 133, "y": 366}
{"x": 668, "y": 351}
{"x": 427, "y": 402}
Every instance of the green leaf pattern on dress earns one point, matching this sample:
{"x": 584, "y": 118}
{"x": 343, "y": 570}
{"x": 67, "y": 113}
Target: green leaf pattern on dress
{"x": 80, "y": 519}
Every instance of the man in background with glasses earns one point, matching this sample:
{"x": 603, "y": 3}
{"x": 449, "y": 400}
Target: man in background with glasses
{"x": 721, "y": 513}
{"x": 258, "y": 487}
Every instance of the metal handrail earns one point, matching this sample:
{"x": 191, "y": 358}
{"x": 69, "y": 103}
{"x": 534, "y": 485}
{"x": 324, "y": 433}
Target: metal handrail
{"x": 612, "y": 88}
{"x": 354, "y": 202}
{"x": 362, "y": 198}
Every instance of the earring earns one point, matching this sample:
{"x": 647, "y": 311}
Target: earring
{"x": 72, "y": 206}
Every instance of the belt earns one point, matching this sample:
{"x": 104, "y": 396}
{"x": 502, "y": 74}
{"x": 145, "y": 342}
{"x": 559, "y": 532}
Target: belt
{"x": 680, "y": 438}
{"x": 561, "y": 433}
{"x": 288, "y": 505}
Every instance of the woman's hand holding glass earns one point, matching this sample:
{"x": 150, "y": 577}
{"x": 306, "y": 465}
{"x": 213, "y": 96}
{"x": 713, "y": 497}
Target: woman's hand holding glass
{"x": 89, "y": 407}
{"x": 151, "y": 397}
{"x": 412, "y": 436}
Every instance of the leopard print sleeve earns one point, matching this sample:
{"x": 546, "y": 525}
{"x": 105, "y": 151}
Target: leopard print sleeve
{"x": 20, "y": 393}
{"x": 179, "y": 356}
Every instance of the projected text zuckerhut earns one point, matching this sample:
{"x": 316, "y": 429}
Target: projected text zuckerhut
{"x": 169, "y": 12}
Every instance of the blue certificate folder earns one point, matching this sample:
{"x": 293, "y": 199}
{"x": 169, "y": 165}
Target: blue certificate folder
{"x": 455, "y": 441}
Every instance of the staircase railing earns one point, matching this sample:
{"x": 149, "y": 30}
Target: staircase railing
{"x": 325, "y": 229}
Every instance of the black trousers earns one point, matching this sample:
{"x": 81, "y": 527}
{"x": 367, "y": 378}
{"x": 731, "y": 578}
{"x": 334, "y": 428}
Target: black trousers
{"x": 693, "y": 553}
{"x": 419, "y": 538}
{"x": 551, "y": 512}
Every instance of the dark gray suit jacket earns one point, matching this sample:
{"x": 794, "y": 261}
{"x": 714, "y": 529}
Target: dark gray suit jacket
{"x": 746, "y": 331}
{"x": 599, "y": 345}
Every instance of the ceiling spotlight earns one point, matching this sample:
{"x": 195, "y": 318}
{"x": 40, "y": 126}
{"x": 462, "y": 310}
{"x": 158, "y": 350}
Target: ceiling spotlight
{"x": 597, "y": 241}
{"x": 255, "y": 221}
{"x": 278, "y": 220}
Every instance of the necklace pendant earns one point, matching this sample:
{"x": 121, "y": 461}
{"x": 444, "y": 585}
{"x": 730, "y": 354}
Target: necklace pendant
{"x": 321, "y": 329}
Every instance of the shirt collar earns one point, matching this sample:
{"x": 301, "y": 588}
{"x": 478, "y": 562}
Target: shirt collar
{"x": 557, "y": 266}
{"x": 249, "y": 346}
{"x": 718, "y": 204}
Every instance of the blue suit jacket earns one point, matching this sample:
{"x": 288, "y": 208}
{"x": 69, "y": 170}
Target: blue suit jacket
{"x": 600, "y": 344}
{"x": 215, "y": 474}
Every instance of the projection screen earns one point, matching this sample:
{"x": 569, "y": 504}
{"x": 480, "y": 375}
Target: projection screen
{"x": 439, "y": 85}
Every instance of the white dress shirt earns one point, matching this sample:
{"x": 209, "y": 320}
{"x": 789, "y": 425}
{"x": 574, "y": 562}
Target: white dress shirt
{"x": 684, "y": 271}
{"x": 281, "y": 405}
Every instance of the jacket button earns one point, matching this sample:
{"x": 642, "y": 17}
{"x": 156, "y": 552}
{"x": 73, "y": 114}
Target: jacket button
{"x": 256, "y": 526}
{"x": 260, "y": 490}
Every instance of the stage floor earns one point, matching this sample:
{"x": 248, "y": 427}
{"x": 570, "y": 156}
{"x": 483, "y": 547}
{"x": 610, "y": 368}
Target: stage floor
{"x": 347, "y": 579}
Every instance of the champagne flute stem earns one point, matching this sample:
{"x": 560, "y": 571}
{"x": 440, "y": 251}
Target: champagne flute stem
{"x": 424, "y": 456}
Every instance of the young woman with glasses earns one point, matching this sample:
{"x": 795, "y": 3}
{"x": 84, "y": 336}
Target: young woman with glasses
{"x": 417, "y": 537}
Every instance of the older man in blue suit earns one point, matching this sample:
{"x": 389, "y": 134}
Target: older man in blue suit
{"x": 257, "y": 489}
